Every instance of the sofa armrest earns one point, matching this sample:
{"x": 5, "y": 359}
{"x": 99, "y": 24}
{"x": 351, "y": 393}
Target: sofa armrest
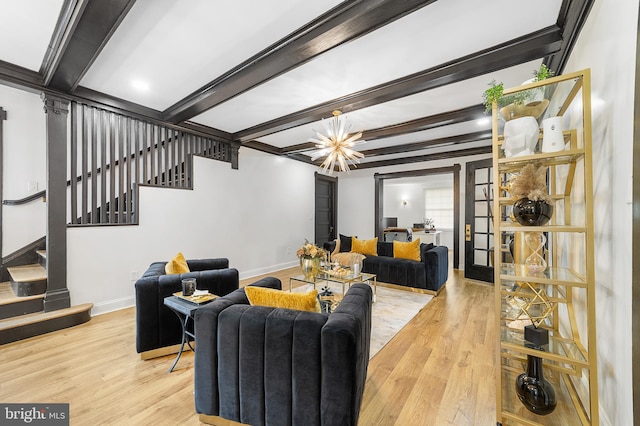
{"x": 346, "y": 341}
{"x": 208, "y": 264}
{"x": 436, "y": 260}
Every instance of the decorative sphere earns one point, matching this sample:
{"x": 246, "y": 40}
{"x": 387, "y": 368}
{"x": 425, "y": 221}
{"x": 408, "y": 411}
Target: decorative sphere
{"x": 532, "y": 213}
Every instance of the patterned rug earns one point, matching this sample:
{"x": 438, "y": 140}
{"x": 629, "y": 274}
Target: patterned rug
{"x": 392, "y": 310}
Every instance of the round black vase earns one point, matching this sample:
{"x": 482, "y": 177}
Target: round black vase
{"x": 533, "y": 390}
{"x": 532, "y": 213}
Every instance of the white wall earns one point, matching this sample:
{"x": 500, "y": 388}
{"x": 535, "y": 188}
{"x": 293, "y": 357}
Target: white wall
{"x": 607, "y": 45}
{"x": 393, "y": 206}
{"x": 256, "y": 216}
{"x": 356, "y": 197}
{"x": 24, "y": 163}
{"x": 412, "y": 191}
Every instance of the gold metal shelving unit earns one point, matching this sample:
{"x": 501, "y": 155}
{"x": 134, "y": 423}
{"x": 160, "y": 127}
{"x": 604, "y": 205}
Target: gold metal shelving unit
{"x": 568, "y": 283}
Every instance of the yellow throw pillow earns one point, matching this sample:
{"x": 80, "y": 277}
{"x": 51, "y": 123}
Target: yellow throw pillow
{"x": 262, "y": 296}
{"x": 410, "y": 250}
{"x": 177, "y": 265}
{"x": 365, "y": 247}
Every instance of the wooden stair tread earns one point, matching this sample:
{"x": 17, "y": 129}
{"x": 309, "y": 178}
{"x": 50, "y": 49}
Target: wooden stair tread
{"x": 42, "y": 253}
{"x": 27, "y": 273}
{"x": 7, "y": 296}
{"x": 28, "y": 319}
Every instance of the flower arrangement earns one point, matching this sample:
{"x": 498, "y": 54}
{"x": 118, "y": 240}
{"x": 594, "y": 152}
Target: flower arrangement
{"x": 429, "y": 223}
{"x": 310, "y": 251}
{"x": 530, "y": 183}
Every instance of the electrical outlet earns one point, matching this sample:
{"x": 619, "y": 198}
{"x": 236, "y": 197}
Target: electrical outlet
{"x": 134, "y": 275}
{"x": 32, "y": 186}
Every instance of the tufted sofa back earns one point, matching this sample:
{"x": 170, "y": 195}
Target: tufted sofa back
{"x": 258, "y": 365}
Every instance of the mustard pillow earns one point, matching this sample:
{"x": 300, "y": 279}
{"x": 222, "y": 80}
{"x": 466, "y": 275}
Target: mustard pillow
{"x": 410, "y": 250}
{"x": 365, "y": 246}
{"x": 177, "y": 265}
{"x": 262, "y": 296}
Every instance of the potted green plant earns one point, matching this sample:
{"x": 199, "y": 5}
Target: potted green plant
{"x": 496, "y": 93}
{"x": 542, "y": 73}
{"x": 519, "y": 104}
{"x": 492, "y": 94}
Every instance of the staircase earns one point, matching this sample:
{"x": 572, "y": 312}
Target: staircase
{"x": 22, "y": 304}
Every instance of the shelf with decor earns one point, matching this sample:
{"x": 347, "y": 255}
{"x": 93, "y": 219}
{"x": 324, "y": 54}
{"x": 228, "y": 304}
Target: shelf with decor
{"x": 545, "y": 291}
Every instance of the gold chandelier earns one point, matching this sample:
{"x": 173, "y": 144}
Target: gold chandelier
{"x": 337, "y": 145}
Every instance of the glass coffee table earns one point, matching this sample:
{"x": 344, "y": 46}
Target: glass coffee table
{"x": 344, "y": 280}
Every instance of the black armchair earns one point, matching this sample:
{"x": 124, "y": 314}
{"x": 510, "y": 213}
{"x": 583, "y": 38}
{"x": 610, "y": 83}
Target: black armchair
{"x": 271, "y": 366}
{"x": 156, "y": 326}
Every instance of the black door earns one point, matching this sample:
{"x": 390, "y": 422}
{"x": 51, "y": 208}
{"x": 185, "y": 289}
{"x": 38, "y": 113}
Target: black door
{"x": 326, "y": 209}
{"x": 479, "y": 244}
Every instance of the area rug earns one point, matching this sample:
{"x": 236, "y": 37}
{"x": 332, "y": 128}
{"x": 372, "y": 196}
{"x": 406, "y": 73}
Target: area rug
{"x": 392, "y": 310}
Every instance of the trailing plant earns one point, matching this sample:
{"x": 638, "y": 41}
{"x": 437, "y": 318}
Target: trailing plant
{"x": 543, "y": 73}
{"x": 492, "y": 94}
{"x": 495, "y": 92}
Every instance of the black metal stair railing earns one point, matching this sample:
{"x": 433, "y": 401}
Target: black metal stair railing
{"x": 112, "y": 154}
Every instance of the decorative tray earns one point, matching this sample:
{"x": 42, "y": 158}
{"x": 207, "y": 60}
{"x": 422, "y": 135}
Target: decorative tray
{"x": 197, "y": 297}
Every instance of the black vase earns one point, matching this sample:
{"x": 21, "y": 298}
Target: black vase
{"x": 532, "y": 213}
{"x": 533, "y": 390}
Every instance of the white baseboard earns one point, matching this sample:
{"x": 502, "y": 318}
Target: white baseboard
{"x": 268, "y": 269}
{"x": 112, "y": 305}
{"x": 127, "y": 302}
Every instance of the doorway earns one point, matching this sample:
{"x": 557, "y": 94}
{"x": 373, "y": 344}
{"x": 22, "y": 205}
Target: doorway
{"x": 479, "y": 243}
{"x": 379, "y": 201}
{"x": 326, "y": 208}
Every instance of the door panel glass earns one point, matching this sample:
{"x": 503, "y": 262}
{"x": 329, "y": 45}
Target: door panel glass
{"x": 482, "y": 208}
{"x": 481, "y": 224}
{"x": 480, "y": 241}
{"x": 480, "y": 257}
{"x": 482, "y": 176}
{"x": 480, "y": 189}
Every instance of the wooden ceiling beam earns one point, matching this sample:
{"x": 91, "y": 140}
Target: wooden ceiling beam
{"x": 517, "y": 51}
{"x": 17, "y": 76}
{"x": 412, "y": 126}
{"x": 344, "y": 23}
{"x": 431, "y": 143}
{"x": 426, "y": 123}
{"x": 429, "y": 157}
{"x": 573, "y": 14}
{"x": 82, "y": 31}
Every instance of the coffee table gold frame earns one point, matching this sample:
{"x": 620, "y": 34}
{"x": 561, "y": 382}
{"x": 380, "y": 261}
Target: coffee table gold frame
{"x": 344, "y": 280}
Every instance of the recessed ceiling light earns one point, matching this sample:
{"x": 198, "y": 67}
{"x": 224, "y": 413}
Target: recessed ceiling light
{"x": 483, "y": 121}
{"x": 143, "y": 86}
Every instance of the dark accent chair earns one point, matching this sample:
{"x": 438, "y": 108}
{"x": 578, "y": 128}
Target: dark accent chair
{"x": 430, "y": 273}
{"x": 271, "y": 366}
{"x": 156, "y": 326}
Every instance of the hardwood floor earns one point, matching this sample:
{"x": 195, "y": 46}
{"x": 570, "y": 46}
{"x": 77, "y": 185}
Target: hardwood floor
{"x": 438, "y": 370}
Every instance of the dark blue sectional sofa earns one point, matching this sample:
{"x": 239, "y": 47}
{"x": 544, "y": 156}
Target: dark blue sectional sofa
{"x": 430, "y": 273}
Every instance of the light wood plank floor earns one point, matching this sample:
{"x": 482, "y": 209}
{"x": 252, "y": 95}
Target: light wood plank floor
{"x": 438, "y": 370}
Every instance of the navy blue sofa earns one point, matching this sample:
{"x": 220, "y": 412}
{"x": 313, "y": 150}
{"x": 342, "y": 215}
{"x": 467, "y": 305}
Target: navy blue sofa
{"x": 430, "y": 273}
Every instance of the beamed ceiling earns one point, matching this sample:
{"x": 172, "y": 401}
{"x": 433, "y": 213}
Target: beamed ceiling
{"x": 409, "y": 74}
